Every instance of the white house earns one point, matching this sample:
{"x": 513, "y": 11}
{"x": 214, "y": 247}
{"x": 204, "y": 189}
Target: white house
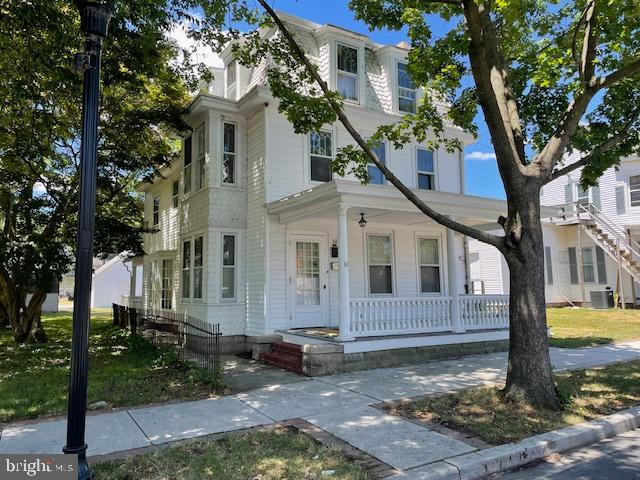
{"x": 591, "y": 240}
{"x": 110, "y": 282}
{"x": 255, "y": 233}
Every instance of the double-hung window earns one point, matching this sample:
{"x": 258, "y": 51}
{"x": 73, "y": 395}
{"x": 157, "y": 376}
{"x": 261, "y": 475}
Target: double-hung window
{"x": 229, "y": 153}
{"x": 634, "y": 190}
{"x": 582, "y": 196}
{"x": 426, "y": 169}
{"x": 348, "y": 72}
{"x": 198, "y": 261}
{"x": 156, "y": 211}
{"x": 406, "y": 90}
{"x": 186, "y": 269}
{"x": 175, "y": 192}
{"x": 321, "y": 155}
{"x": 187, "y": 164}
{"x": 231, "y": 79}
{"x": 167, "y": 284}
{"x": 375, "y": 175}
{"x": 588, "y": 265}
{"x": 429, "y": 258}
{"x": 228, "y": 267}
{"x": 200, "y": 162}
{"x": 380, "y": 264}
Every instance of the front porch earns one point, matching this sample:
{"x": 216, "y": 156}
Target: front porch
{"x": 398, "y": 281}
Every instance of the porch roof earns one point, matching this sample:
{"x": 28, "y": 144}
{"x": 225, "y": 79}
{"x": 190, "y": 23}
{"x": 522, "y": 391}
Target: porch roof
{"x": 385, "y": 200}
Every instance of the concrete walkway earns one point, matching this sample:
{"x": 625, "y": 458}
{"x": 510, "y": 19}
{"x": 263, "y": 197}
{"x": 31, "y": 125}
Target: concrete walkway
{"x": 338, "y": 404}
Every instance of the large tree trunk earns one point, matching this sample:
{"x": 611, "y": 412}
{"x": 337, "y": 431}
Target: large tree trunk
{"x": 25, "y": 319}
{"x": 529, "y": 372}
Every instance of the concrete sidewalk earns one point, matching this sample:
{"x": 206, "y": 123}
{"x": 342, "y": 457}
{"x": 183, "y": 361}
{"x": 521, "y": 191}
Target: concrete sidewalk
{"x": 338, "y": 404}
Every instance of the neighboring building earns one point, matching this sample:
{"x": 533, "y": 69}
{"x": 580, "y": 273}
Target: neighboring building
{"x": 255, "y": 233}
{"x": 110, "y": 282}
{"x": 591, "y": 241}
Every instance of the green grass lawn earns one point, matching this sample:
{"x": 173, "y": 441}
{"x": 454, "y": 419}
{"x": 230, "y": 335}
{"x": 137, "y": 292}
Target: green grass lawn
{"x": 581, "y": 327}
{"x": 484, "y": 413}
{"x": 124, "y": 370}
{"x": 272, "y": 455}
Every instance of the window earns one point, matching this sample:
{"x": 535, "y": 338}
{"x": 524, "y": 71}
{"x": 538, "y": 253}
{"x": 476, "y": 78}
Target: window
{"x": 187, "y": 165}
{"x": 375, "y": 175}
{"x": 548, "y": 269}
{"x": 200, "y": 164}
{"x": 321, "y": 156}
{"x": 429, "y": 258}
{"x": 156, "y": 211}
{"x": 348, "y": 72}
{"x": 406, "y": 90}
{"x": 231, "y": 79}
{"x": 186, "y": 269}
{"x": 588, "y": 267}
{"x": 197, "y": 267}
{"x": 582, "y": 195}
{"x": 634, "y": 190}
{"x": 426, "y": 169}
{"x": 380, "y": 264}
{"x": 167, "y": 284}
{"x": 229, "y": 154}
{"x": 228, "y": 267}
{"x": 573, "y": 266}
{"x": 175, "y": 190}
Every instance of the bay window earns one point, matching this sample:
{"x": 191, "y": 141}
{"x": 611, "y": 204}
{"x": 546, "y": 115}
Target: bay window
{"x": 186, "y": 269}
{"x": 197, "y": 267}
{"x": 228, "y": 267}
{"x": 200, "y": 163}
{"x": 187, "y": 165}
{"x": 229, "y": 153}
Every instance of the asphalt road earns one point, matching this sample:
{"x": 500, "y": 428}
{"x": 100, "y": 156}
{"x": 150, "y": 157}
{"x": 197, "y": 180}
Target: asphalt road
{"x": 616, "y": 458}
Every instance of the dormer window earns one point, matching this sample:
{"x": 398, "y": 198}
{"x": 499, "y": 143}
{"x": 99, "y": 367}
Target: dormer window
{"x": 231, "y": 79}
{"x": 348, "y": 72}
{"x": 406, "y": 90}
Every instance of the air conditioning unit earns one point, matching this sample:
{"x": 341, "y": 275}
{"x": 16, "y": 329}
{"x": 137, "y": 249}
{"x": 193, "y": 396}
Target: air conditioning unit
{"x": 602, "y": 298}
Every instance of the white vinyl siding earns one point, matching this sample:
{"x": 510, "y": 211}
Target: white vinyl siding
{"x": 348, "y": 81}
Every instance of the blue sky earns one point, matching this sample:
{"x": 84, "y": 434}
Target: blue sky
{"x": 482, "y": 177}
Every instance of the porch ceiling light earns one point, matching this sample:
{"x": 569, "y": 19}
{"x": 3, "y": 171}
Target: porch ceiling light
{"x": 362, "y": 222}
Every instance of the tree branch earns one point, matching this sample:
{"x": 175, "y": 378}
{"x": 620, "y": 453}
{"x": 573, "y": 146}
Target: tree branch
{"x": 587, "y": 66}
{"x": 623, "y": 72}
{"x": 494, "y": 240}
{"x": 457, "y": 3}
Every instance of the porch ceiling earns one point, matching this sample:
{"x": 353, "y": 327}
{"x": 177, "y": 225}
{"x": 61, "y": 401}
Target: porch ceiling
{"x": 384, "y": 203}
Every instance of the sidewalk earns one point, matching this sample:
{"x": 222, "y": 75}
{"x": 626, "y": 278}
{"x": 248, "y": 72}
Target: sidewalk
{"x": 339, "y": 404}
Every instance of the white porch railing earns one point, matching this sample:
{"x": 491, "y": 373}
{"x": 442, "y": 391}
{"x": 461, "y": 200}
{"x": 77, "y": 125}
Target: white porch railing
{"x": 398, "y": 316}
{"x": 478, "y": 312}
{"x": 371, "y": 317}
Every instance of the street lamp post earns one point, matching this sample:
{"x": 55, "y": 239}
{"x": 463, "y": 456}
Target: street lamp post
{"x": 95, "y": 18}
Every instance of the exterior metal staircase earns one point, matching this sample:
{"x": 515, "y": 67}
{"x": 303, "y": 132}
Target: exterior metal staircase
{"x": 612, "y": 238}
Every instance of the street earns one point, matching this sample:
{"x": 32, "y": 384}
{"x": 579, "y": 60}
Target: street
{"x": 614, "y": 458}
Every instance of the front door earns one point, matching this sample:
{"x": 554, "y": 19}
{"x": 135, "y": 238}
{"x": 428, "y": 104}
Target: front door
{"x": 308, "y": 291}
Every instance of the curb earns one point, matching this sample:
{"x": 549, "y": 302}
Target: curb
{"x": 482, "y": 463}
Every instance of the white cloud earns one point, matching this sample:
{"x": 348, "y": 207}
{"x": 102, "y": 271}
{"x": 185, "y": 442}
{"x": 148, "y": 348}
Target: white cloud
{"x": 480, "y": 156}
{"x": 201, "y": 52}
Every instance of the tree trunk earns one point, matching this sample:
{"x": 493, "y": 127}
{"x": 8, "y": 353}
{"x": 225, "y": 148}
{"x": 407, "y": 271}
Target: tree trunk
{"x": 26, "y": 319}
{"x": 529, "y": 372}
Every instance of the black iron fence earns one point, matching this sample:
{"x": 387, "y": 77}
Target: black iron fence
{"x": 194, "y": 340}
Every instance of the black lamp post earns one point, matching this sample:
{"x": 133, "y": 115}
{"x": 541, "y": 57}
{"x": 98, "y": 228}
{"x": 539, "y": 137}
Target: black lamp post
{"x": 95, "y": 18}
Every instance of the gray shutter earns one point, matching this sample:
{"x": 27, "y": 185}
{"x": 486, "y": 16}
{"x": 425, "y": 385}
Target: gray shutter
{"x": 573, "y": 266}
{"x": 595, "y": 195}
{"x": 621, "y": 200}
{"x": 602, "y": 265}
{"x": 568, "y": 193}
{"x": 549, "y": 265}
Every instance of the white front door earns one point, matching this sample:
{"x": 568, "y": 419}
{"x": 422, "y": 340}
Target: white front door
{"x": 308, "y": 286}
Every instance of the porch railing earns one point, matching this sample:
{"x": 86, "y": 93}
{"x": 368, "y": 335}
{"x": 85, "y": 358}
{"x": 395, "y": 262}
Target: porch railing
{"x": 478, "y": 312}
{"x": 399, "y": 316}
{"x": 371, "y": 317}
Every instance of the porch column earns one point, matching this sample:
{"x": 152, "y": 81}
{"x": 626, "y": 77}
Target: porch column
{"x": 343, "y": 272}
{"x": 452, "y": 276}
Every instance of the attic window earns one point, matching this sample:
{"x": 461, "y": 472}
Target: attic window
{"x": 406, "y": 90}
{"x": 231, "y": 79}
{"x": 348, "y": 72}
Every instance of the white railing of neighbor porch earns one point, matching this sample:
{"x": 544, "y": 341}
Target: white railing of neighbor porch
{"x": 371, "y": 317}
{"x": 478, "y": 312}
